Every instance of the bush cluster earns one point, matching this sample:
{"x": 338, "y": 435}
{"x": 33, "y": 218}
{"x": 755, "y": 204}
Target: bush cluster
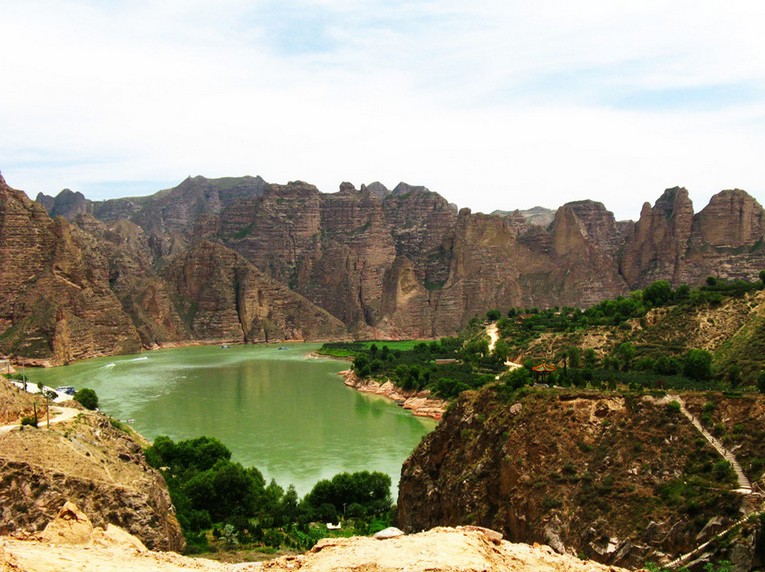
{"x": 210, "y": 492}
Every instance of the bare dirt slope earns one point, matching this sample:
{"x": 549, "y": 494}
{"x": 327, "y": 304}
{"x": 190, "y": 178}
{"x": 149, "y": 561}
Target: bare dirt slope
{"x": 91, "y": 462}
{"x": 14, "y": 403}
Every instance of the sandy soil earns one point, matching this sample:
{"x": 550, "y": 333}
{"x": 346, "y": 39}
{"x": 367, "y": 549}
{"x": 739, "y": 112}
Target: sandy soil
{"x": 464, "y": 549}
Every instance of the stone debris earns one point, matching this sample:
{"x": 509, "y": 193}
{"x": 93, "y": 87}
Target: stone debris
{"x": 390, "y": 532}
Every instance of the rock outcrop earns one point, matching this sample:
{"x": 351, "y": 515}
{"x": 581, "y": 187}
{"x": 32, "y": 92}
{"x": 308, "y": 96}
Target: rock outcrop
{"x": 55, "y": 297}
{"x": 67, "y": 204}
{"x": 465, "y": 549}
{"x": 222, "y": 297}
{"x": 468, "y": 549}
{"x": 88, "y": 461}
{"x": 420, "y": 403}
{"x": 725, "y": 239}
{"x": 609, "y": 477}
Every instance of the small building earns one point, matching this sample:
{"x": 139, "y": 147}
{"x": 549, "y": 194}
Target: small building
{"x": 542, "y": 370}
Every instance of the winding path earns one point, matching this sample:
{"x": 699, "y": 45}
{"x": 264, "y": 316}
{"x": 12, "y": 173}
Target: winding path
{"x": 61, "y": 414}
{"x": 493, "y": 332}
{"x": 744, "y": 486}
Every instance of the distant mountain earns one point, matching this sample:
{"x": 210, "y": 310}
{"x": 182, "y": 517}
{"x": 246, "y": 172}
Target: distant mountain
{"x": 539, "y": 216}
{"x": 366, "y": 263}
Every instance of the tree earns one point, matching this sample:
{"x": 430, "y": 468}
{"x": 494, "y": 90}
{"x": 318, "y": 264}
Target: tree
{"x": 667, "y": 366}
{"x": 590, "y": 358}
{"x": 519, "y": 377}
{"x": 574, "y": 357}
{"x": 697, "y": 364}
{"x": 734, "y": 375}
{"x": 370, "y": 490}
{"x": 658, "y": 293}
{"x": 87, "y": 398}
{"x": 361, "y": 366}
{"x": 446, "y": 387}
{"x": 501, "y": 351}
{"x": 493, "y": 315}
{"x": 626, "y": 353}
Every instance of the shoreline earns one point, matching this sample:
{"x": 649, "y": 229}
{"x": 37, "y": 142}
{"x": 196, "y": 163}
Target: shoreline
{"x": 15, "y": 362}
{"x": 420, "y": 403}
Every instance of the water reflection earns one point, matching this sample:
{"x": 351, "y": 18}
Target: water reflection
{"x": 290, "y": 416}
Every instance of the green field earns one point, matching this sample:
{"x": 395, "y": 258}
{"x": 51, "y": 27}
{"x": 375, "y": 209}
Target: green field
{"x": 351, "y": 349}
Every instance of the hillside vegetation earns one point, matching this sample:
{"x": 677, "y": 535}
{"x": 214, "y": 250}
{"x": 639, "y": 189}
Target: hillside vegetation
{"x": 712, "y": 337}
{"x": 621, "y": 478}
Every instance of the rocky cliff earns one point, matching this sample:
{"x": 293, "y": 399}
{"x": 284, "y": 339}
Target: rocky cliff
{"x": 221, "y": 296}
{"x": 397, "y": 264}
{"x": 620, "y": 479}
{"x": 56, "y": 301}
{"x": 71, "y": 290}
{"x": 670, "y": 242}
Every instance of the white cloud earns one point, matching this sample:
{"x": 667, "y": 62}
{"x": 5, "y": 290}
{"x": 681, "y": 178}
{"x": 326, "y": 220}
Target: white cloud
{"x": 500, "y": 106}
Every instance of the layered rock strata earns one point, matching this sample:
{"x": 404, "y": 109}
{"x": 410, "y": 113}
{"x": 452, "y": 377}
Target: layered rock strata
{"x": 387, "y": 264}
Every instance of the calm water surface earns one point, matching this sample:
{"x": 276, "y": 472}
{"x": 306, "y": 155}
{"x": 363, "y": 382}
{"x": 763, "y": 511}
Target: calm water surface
{"x": 279, "y": 410}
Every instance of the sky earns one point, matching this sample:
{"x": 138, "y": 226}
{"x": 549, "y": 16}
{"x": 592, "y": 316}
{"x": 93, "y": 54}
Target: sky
{"x": 494, "y": 104}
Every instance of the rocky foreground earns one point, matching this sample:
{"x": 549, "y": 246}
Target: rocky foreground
{"x": 88, "y": 459}
{"x": 70, "y": 542}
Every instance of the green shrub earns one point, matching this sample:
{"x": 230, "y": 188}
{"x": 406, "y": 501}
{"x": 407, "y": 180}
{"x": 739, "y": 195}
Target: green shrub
{"x": 87, "y": 398}
{"x": 697, "y": 364}
{"x": 761, "y": 382}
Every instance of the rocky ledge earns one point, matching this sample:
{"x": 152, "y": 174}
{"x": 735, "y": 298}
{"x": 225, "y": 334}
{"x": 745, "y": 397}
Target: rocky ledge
{"x": 71, "y": 542}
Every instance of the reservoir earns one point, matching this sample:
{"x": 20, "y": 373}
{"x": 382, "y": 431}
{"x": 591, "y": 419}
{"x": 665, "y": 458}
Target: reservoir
{"x": 277, "y": 409}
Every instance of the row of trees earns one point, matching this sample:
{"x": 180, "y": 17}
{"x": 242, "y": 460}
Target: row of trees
{"x": 211, "y": 492}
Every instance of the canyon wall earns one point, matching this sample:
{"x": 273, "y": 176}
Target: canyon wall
{"x": 289, "y": 262}
{"x": 619, "y": 479}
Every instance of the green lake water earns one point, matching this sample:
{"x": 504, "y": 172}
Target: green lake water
{"x": 287, "y": 414}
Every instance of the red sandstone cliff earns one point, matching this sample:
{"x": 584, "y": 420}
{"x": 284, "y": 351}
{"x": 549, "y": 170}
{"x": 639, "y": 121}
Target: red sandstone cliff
{"x": 55, "y": 298}
{"x": 400, "y": 263}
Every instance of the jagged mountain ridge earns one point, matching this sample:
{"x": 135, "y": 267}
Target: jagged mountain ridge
{"x": 400, "y": 263}
{"x": 72, "y": 290}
